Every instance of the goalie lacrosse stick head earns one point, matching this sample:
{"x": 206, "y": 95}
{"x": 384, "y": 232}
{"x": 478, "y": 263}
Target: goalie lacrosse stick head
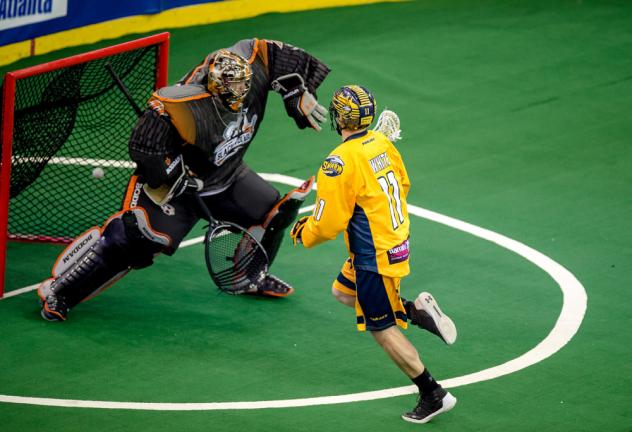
{"x": 235, "y": 260}
{"x": 229, "y": 78}
{"x": 388, "y": 124}
{"x": 352, "y": 107}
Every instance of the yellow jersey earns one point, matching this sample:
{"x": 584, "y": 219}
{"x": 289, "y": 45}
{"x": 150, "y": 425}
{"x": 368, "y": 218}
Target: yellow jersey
{"x": 361, "y": 189}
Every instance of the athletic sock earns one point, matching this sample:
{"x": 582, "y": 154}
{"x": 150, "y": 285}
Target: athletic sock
{"x": 425, "y": 382}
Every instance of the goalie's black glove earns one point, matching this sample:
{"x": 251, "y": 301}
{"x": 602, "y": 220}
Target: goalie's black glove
{"x": 160, "y": 170}
{"x": 300, "y": 104}
{"x": 178, "y": 182}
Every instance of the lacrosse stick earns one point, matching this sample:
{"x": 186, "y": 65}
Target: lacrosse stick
{"x": 388, "y": 124}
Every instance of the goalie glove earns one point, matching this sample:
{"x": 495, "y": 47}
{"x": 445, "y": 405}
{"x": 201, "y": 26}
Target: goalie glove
{"x": 178, "y": 182}
{"x": 300, "y": 104}
{"x": 297, "y": 230}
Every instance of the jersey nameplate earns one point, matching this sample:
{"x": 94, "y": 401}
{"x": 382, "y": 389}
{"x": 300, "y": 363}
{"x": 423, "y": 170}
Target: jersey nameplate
{"x": 379, "y": 162}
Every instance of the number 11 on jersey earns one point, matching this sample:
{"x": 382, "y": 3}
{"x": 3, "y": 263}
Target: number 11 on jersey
{"x": 391, "y": 188}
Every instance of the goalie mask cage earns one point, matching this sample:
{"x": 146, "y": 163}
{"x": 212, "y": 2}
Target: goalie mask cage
{"x": 62, "y": 120}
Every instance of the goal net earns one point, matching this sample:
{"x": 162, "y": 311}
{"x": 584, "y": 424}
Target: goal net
{"x": 65, "y": 127}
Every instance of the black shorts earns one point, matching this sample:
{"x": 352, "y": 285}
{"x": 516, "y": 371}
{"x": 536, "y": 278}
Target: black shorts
{"x": 245, "y": 202}
{"x": 378, "y": 304}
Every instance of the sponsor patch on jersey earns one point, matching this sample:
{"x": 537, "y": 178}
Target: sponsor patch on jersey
{"x": 399, "y": 253}
{"x": 333, "y": 166}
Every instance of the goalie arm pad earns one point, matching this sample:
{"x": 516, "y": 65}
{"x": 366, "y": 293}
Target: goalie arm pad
{"x": 155, "y": 147}
{"x": 284, "y": 59}
{"x": 296, "y": 75}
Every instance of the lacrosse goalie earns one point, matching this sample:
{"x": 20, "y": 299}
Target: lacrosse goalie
{"x": 362, "y": 189}
{"x": 193, "y": 137}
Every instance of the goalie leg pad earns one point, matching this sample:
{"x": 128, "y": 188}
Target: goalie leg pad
{"x": 280, "y": 217}
{"x": 121, "y": 247}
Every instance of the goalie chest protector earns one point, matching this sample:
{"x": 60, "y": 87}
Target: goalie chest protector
{"x": 220, "y": 135}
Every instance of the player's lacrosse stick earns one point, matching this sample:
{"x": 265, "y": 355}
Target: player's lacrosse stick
{"x": 236, "y": 261}
{"x": 388, "y": 124}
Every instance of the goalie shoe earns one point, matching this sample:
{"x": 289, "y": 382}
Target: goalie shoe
{"x": 272, "y": 286}
{"x": 425, "y": 313}
{"x": 53, "y": 307}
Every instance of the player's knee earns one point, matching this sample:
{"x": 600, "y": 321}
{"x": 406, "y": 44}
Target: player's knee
{"x": 343, "y": 298}
{"x": 127, "y": 241}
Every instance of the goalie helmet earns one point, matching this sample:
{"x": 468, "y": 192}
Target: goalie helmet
{"x": 352, "y": 107}
{"x": 229, "y": 77}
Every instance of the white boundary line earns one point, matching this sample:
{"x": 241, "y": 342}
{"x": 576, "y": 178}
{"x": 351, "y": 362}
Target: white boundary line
{"x": 568, "y": 323}
{"x": 76, "y": 161}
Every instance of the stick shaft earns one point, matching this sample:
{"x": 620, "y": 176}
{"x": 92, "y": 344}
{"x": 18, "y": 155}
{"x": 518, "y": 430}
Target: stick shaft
{"x": 124, "y": 90}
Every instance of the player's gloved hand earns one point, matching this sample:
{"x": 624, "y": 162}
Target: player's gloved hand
{"x": 300, "y": 104}
{"x": 297, "y": 230}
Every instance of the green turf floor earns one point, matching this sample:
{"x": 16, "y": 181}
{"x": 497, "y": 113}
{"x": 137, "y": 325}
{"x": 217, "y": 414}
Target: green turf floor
{"x": 516, "y": 117}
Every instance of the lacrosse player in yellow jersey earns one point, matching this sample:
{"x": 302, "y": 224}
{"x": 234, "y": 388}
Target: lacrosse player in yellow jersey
{"x": 362, "y": 189}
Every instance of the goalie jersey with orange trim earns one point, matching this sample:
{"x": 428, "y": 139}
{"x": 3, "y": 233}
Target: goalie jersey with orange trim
{"x": 362, "y": 188}
{"x": 212, "y": 138}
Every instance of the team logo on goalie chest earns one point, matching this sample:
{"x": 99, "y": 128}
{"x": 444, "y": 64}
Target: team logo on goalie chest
{"x": 333, "y": 166}
{"x": 237, "y": 134}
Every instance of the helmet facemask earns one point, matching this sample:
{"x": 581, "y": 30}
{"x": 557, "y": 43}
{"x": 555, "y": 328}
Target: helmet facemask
{"x": 229, "y": 78}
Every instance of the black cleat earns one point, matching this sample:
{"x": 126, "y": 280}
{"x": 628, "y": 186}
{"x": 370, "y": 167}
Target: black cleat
{"x": 272, "y": 286}
{"x": 53, "y": 307}
{"x": 431, "y": 405}
{"x": 425, "y": 313}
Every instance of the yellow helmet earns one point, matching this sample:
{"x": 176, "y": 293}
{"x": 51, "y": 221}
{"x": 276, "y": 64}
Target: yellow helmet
{"x": 352, "y": 107}
{"x": 229, "y": 77}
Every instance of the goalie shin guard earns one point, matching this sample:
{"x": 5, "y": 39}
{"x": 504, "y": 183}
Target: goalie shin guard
{"x": 94, "y": 269}
{"x": 280, "y": 217}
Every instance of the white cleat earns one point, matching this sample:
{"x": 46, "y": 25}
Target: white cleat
{"x": 443, "y": 326}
